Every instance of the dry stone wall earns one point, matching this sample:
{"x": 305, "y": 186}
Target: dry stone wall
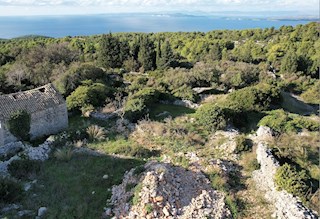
{"x": 286, "y": 206}
{"x": 49, "y": 121}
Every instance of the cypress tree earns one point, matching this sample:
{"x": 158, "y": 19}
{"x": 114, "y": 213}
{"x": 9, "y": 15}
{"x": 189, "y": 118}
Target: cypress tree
{"x": 147, "y": 55}
{"x": 109, "y": 54}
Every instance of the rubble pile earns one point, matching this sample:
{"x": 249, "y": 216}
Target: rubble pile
{"x": 166, "y": 191}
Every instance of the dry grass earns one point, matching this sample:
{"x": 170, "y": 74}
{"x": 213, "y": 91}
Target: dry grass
{"x": 64, "y": 154}
{"x": 256, "y": 205}
{"x": 218, "y": 98}
{"x": 96, "y": 133}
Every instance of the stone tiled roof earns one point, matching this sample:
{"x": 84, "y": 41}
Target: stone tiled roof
{"x": 32, "y": 101}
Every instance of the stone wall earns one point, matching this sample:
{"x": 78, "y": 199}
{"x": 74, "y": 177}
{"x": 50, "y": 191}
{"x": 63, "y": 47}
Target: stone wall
{"x": 46, "y": 122}
{"x": 286, "y": 206}
{"x": 1, "y": 134}
{"x": 5, "y": 136}
{"x": 50, "y": 121}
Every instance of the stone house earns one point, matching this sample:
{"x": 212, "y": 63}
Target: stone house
{"x": 46, "y": 107}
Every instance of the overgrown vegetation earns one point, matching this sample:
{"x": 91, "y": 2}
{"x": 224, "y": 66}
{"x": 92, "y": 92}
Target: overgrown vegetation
{"x": 24, "y": 169}
{"x": 244, "y": 77}
{"x": 19, "y": 124}
{"x": 293, "y": 181}
{"x": 10, "y": 191}
{"x": 211, "y": 117}
{"x": 282, "y": 121}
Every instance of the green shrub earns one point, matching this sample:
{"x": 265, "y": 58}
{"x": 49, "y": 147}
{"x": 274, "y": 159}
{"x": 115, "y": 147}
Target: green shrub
{"x": 218, "y": 181}
{"x": 186, "y": 93}
{"x": 135, "y": 109}
{"x": 281, "y": 121}
{"x": 293, "y": 181}
{"x": 19, "y": 124}
{"x": 243, "y": 144}
{"x": 10, "y": 191}
{"x": 137, "y": 104}
{"x": 148, "y": 95}
{"x": 87, "y": 95}
{"x": 24, "y": 169}
{"x": 239, "y": 74}
{"x": 312, "y": 95}
{"x": 256, "y": 98}
{"x": 69, "y": 81}
{"x": 211, "y": 117}
{"x": 136, "y": 197}
{"x": 301, "y": 122}
{"x": 149, "y": 208}
{"x": 139, "y": 169}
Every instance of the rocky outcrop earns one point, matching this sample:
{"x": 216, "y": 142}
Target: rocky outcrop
{"x": 265, "y": 132}
{"x": 4, "y": 165}
{"x": 33, "y": 153}
{"x": 10, "y": 149}
{"x": 39, "y": 153}
{"x": 224, "y": 142}
{"x": 166, "y": 191}
{"x": 286, "y": 206}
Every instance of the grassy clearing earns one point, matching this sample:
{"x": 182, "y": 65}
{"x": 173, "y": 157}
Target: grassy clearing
{"x": 174, "y": 111}
{"x": 125, "y": 147}
{"x": 76, "y": 189}
{"x": 293, "y": 105}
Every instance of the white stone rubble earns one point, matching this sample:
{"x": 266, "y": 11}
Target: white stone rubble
{"x": 286, "y": 205}
{"x": 167, "y": 192}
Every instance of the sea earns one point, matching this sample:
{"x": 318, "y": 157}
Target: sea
{"x": 84, "y": 25}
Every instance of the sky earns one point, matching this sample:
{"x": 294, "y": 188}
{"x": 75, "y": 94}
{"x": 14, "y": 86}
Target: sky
{"x": 62, "y": 7}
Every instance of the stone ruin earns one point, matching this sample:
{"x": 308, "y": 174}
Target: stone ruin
{"x": 46, "y": 107}
{"x": 286, "y": 205}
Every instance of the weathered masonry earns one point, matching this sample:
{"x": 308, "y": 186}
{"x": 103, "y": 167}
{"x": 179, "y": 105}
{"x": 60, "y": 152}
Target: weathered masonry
{"x": 46, "y": 107}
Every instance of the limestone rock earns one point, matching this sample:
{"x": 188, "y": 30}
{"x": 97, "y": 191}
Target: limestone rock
{"x": 42, "y": 211}
{"x": 25, "y": 213}
{"x": 11, "y": 149}
{"x": 4, "y": 165}
{"x": 39, "y": 153}
{"x": 167, "y": 192}
{"x": 224, "y": 142}
{"x": 265, "y": 132}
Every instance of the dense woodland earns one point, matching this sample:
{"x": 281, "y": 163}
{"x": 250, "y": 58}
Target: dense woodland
{"x": 252, "y": 76}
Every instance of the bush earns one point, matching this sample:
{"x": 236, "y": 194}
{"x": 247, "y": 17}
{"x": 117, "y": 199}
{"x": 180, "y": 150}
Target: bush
{"x": 211, "y": 117}
{"x": 69, "y": 81}
{"x": 19, "y": 124}
{"x": 256, "y": 98}
{"x": 281, "y": 121}
{"x": 293, "y": 181}
{"x": 312, "y": 95}
{"x": 243, "y": 144}
{"x": 87, "y": 95}
{"x": 186, "y": 93}
{"x": 24, "y": 169}
{"x": 137, "y": 104}
{"x": 10, "y": 191}
{"x": 239, "y": 74}
{"x": 96, "y": 133}
{"x": 135, "y": 109}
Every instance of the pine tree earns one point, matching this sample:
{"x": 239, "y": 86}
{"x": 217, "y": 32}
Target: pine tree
{"x": 289, "y": 63}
